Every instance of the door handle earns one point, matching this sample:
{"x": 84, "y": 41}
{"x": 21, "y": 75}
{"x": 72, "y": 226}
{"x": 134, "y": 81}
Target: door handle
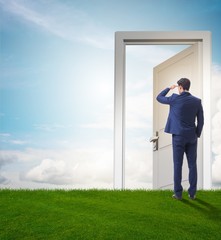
{"x": 154, "y": 140}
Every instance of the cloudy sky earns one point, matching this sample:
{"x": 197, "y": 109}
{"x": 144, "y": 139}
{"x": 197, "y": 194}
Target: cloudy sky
{"x": 57, "y": 88}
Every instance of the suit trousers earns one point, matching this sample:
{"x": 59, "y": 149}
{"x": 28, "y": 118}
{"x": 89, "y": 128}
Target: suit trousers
{"x": 183, "y": 145}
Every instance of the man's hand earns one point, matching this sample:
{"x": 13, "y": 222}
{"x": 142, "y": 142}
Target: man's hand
{"x": 173, "y": 86}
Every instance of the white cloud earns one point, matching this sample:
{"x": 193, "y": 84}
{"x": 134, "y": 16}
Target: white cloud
{"x": 49, "y": 171}
{"x": 4, "y": 160}
{"x": 76, "y": 168}
{"x": 216, "y": 170}
{"x": 18, "y": 142}
{"x": 216, "y": 124}
{"x": 79, "y": 167}
{"x": 138, "y": 165}
{"x": 5, "y": 134}
{"x": 216, "y": 86}
{"x": 3, "y": 180}
{"x": 67, "y": 168}
{"x": 8, "y": 138}
{"x": 25, "y": 156}
{"x": 51, "y": 127}
{"x": 61, "y": 20}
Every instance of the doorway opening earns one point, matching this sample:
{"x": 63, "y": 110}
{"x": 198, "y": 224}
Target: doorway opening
{"x": 140, "y": 61}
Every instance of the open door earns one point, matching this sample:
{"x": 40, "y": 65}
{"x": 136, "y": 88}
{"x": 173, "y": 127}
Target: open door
{"x": 184, "y": 64}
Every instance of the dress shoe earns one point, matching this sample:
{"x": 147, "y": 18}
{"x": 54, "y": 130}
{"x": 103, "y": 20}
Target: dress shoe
{"x": 176, "y": 197}
{"x": 192, "y": 197}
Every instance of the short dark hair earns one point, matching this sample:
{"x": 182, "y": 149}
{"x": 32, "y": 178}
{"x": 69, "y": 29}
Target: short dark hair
{"x": 185, "y": 83}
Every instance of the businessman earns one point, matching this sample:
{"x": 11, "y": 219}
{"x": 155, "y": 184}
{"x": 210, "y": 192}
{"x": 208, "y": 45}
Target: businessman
{"x": 185, "y": 109}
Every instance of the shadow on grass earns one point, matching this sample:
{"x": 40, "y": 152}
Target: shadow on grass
{"x": 205, "y": 208}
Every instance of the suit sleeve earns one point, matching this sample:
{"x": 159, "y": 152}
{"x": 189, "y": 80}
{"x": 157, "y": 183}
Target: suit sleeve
{"x": 200, "y": 121}
{"x": 162, "y": 96}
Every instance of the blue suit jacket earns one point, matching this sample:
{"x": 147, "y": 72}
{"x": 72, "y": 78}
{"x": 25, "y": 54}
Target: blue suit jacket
{"x": 184, "y": 110}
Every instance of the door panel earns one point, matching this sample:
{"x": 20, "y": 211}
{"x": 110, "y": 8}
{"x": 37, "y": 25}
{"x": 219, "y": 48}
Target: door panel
{"x": 184, "y": 64}
{"x": 165, "y": 168}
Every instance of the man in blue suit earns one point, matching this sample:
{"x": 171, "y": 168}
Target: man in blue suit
{"x": 184, "y": 110}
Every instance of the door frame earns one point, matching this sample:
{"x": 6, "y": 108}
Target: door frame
{"x": 124, "y": 38}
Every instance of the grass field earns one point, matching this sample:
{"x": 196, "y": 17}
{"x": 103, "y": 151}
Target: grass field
{"x": 101, "y": 214}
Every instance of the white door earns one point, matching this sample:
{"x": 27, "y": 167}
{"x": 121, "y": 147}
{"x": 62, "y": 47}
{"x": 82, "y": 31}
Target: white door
{"x": 184, "y": 64}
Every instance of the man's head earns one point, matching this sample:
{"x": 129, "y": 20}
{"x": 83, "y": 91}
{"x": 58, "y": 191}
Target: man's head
{"x": 183, "y": 84}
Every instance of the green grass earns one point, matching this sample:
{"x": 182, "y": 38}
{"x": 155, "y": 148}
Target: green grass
{"x": 94, "y": 214}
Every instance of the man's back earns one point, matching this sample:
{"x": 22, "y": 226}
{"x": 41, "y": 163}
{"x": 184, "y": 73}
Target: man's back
{"x": 184, "y": 109}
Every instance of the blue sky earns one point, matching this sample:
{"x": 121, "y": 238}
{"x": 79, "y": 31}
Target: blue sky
{"x": 57, "y": 87}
